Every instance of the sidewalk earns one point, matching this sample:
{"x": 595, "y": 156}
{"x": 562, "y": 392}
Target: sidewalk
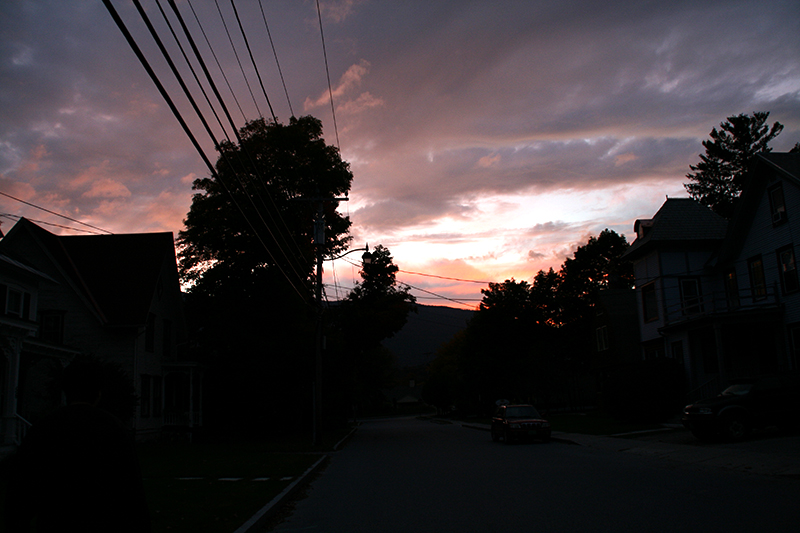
{"x": 711, "y": 455}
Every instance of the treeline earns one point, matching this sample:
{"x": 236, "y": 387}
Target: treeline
{"x": 535, "y": 342}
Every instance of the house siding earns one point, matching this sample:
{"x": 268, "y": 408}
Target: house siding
{"x": 87, "y": 330}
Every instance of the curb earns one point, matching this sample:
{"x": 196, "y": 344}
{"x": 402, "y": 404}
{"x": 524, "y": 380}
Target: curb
{"x": 268, "y": 510}
{"x": 272, "y": 507}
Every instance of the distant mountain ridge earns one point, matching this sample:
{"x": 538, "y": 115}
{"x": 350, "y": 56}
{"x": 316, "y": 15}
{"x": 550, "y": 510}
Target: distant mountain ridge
{"x": 424, "y": 332}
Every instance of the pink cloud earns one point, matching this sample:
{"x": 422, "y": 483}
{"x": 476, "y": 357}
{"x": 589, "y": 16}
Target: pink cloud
{"x": 107, "y": 188}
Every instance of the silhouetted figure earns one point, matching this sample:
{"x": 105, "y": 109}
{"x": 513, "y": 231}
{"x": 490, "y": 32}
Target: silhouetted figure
{"x": 77, "y": 469}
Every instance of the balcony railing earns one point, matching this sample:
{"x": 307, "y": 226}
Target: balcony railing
{"x": 719, "y": 302}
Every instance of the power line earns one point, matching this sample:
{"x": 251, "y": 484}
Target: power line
{"x": 56, "y": 214}
{"x": 17, "y": 217}
{"x": 236, "y": 54}
{"x": 280, "y": 222}
{"x": 459, "y": 302}
{"x": 252, "y": 60}
{"x": 275, "y": 53}
{"x": 445, "y": 277}
{"x": 223, "y": 155}
{"x": 328, "y": 74}
{"x": 216, "y": 59}
{"x": 143, "y": 60}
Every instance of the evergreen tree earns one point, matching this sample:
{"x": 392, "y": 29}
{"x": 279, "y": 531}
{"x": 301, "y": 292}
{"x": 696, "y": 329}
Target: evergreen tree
{"x": 716, "y": 181}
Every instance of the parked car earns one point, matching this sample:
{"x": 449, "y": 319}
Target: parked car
{"x": 512, "y": 422}
{"x": 747, "y": 404}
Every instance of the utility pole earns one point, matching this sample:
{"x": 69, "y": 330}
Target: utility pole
{"x": 319, "y": 242}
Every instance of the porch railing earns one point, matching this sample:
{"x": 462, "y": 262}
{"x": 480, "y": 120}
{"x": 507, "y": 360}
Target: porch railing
{"x": 710, "y": 388}
{"x": 21, "y": 430}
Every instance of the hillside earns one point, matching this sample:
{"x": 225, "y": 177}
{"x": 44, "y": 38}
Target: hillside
{"x": 425, "y": 331}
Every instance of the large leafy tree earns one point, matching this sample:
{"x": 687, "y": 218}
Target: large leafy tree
{"x": 716, "y": 181}
{"x": 596, "y": 265}
{"x": 247, "y": 250}
{"x": 258, "y": 211}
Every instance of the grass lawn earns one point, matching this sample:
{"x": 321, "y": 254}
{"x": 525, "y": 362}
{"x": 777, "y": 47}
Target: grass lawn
{"x": 205, "y": 487}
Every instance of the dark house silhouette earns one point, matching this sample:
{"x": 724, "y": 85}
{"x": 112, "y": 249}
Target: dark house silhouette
{"x": 115, "y": 297}
{"x": 723, "y": 296}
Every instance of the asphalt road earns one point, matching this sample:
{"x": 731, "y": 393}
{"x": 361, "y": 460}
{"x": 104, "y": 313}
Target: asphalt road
{"x": 416, "y": 476}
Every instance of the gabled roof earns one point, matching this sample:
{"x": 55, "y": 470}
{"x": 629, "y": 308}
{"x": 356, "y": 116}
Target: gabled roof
{"x": 680, "y": 220}
{"x": 116, "y": 274}
{"x": 785, "y": 165}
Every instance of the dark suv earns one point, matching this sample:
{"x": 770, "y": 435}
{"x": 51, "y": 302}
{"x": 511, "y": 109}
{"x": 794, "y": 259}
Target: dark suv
{"x": 747, "y": 404}
{"x": 519, "y": 421}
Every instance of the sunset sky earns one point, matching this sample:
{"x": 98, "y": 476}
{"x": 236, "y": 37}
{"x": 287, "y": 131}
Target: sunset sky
{"x": 487, "y": 139}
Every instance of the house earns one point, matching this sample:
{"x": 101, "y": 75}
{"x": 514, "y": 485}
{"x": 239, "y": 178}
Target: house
{"x": 115, "y": 297}
{"x": 722, "y": 296}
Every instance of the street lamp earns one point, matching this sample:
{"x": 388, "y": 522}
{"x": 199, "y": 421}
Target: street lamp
{"x": 366, "y": 257}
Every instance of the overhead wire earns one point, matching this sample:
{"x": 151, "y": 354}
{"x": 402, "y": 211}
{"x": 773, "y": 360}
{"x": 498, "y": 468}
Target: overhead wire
{"x": 459, "y": 302}
{"x": 54, "y": 213}
{"x": 17, "y": 217}
{"x": 216, "y": 59}
{"x": 236, "y": 54}
{"x": 275, "y": 53}
{"x": 154, "y": 77}
{"x": 328, "y": 74}
{"x": 280, "y": 222}
{"x": 291, "y": 260}
{"x": 252, "y": 60}
{"x": 191, "y": 68}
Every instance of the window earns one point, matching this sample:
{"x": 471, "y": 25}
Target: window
{"x": 150, "y": 333}
{"x": 732, "y": 289}
{"x": 691, "y": 303}
{"x": 649, "y": 303}
{"x": 758, "y": 283}
{"x": 602, "y": 338}
{"x": 147, "y": 382}
{"x": 777, "y": 205}
{"x": 15, "y": 302}
{"x": 788, "y": 270}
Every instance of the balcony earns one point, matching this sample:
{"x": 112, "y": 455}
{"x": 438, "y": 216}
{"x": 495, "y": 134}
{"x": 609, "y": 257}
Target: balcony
{"x": 720, "y": 304}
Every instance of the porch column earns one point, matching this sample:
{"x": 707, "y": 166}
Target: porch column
{"x": 191, "y": 397}
{"x": 719, "y": 339}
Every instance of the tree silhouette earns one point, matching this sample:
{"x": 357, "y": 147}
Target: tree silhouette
{"x": 716, "y": 181}
{"x": 248, "y": 217}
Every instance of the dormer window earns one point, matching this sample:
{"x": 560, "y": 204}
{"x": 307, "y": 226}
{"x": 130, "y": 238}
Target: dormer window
{"x": 777, "y": 205}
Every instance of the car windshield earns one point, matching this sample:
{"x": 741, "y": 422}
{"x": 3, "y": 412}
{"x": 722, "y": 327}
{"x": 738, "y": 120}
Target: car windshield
{"x": 521, "y": 411}
{"x": 738, "y": 389}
